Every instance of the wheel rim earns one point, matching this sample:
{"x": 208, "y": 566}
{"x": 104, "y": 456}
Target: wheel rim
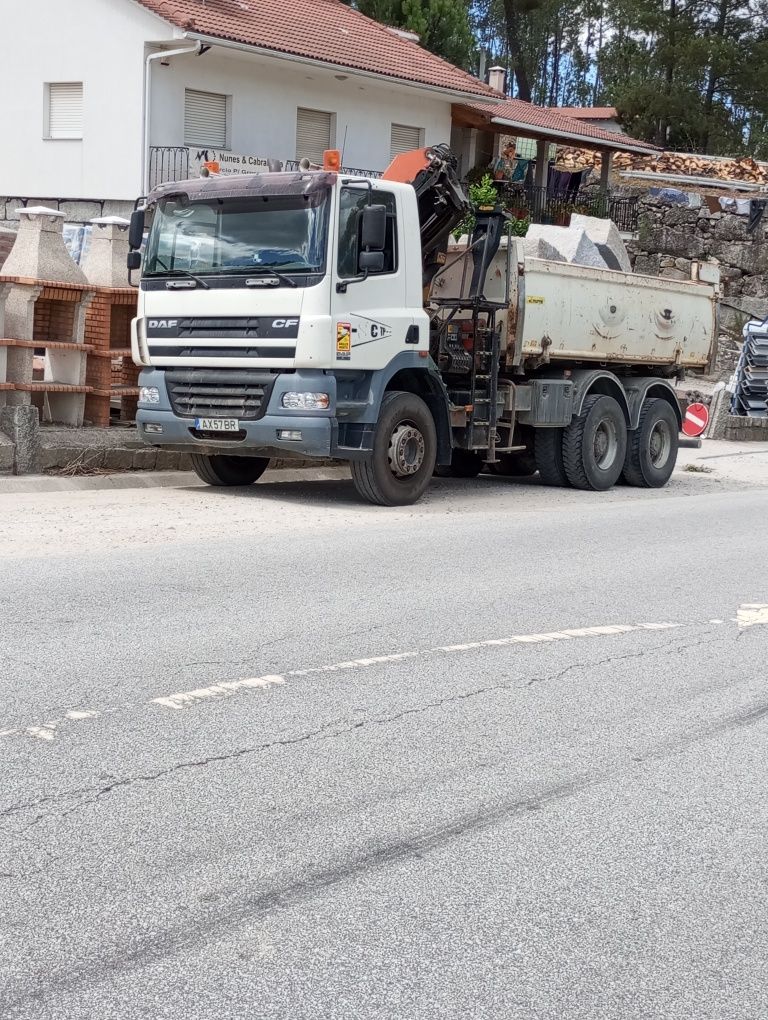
{"x": 606, "y": 444}
{"x": 406, "y": 450}
{"x": 660, "y": 444}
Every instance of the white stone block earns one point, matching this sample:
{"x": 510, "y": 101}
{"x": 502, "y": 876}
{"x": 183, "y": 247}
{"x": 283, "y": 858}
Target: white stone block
{"x": 572, "y": 245}
{"x": 605, "y": 235}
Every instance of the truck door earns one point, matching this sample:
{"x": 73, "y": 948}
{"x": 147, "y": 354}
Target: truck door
{"x": 371, "y": 323}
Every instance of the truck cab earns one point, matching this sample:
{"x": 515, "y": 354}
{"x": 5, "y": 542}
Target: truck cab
{"x": 274, "y": 311}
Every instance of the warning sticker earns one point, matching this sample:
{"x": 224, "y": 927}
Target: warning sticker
{"x": 534, "y": 300}
{"x": 343, "y": 341}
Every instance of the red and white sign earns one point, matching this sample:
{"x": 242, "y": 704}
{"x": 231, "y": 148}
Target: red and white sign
{"x": 696, "y": 419}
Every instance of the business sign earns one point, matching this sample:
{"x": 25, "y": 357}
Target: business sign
{"x": 228, "y": 163}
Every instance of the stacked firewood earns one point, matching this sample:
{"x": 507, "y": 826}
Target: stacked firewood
{"x": 743, "y": 169}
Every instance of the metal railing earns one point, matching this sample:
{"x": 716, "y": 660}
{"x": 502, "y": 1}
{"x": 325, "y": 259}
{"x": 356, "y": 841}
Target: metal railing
{"x": 540, "y": 205}
{"x": 171, "y": 163}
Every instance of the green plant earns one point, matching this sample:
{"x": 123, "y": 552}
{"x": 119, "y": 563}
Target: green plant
{"x": 520, "y": 226}
{"x": 481, "y": 193}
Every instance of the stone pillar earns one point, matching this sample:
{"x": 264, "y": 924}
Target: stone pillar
{"x": 20, "y": 424}
{"x": 605, "y": 172}
{"x": 39, "y": 251}
{"x": 105, "y": 262}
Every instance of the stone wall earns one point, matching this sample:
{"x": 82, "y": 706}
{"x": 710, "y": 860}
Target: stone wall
{"x": 75, "y": 211}
{"x": 678, "y": 228}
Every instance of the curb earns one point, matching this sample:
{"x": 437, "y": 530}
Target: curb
{"x": 151, "y": 480}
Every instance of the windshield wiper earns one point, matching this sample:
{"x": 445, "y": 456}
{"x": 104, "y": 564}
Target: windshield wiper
{"x": 182, "y": 272}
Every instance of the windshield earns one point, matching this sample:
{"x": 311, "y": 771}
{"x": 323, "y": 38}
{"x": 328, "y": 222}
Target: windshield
{"x": 285, "y": 233}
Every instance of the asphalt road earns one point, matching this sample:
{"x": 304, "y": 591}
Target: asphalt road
{"x": 271, "y": 754}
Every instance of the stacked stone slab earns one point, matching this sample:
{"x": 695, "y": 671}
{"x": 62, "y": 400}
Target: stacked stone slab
{"x": 111, "y": 374}
{"x": 45, "y": 304}
{"x": 750, "y": 397}
{"x": 571, "y": 245}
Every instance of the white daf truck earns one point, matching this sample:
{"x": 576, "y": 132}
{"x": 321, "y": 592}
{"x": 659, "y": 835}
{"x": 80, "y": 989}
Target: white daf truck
{"x": 317, "y": 314}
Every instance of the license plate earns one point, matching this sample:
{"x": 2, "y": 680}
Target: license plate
{"x": 217, "y": 424}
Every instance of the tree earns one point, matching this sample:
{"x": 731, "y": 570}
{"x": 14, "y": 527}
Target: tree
{"x": 443, "y": 26}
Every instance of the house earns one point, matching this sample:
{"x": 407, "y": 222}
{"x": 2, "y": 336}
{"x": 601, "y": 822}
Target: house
{"x": 113, "y": 96}
{"x": 604, "y": 117}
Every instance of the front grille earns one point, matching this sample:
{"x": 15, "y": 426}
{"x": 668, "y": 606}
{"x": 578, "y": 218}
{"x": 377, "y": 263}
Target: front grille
{"x": 219, "y": 392}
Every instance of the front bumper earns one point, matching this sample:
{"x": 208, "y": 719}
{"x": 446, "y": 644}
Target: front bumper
{"x": 261, "y": 435}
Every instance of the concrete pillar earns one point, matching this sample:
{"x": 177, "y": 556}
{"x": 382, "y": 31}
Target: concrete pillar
{"x": 497, "y": 77}
{"x": 20, "y": 424}
{"x": 105, "y": 262}
{"x": 540, "y": 178}
{"x": 605, "y": 172}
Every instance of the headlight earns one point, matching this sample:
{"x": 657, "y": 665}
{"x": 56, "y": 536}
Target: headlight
{"x": 306, "y": 401}
{"x": 149, "y": 395}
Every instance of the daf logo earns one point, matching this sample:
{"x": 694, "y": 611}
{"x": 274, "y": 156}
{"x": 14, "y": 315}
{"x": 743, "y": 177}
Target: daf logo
{"x": 163, "y": 323}
{"x": 284, "y": 323}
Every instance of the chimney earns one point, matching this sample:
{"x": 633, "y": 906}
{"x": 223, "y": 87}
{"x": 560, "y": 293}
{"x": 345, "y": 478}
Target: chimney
{"x": 497, "y": 79}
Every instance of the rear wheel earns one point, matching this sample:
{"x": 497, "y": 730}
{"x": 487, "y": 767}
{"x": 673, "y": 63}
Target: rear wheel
{"x": 652, "y": 446}
{"x": 403, "y": 456}
{"x": 548, "y": 454}
{"x": 595, "y": 444}
{"x": 221, "y": 469}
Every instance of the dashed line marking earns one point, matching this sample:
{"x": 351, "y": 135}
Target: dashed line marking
{"x": 185, "y": 699}
{"x": 749, "y": 614}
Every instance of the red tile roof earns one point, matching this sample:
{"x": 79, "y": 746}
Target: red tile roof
{"x": 589, "y": 112}
{"x": 324, "y": 30}
{"x": 552, "y": 123}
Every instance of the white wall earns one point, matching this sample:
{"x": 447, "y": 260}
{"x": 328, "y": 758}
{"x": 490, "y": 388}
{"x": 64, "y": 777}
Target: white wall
{"x": 103, "y": 44}
{"x": 266, "y": 93}
{"x": 98, "y": 42}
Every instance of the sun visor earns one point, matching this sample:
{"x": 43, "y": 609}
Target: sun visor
{"x": 244, "y": 186}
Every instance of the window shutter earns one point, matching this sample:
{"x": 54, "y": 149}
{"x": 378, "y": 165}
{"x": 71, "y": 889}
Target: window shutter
{"x": 403, "y": 139}
{"x": 65, "y": 109}
{"x": 313, "y": 134}
{"x": 205, "y": 119}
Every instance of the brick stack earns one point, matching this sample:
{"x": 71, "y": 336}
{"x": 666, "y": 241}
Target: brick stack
{"x": 111, "y": 373}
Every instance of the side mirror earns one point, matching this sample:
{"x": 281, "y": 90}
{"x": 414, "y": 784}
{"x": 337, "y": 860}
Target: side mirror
{"x": 136, "y": 229}
{"x": 373, "y": 231}
{"x": 370, "y": 261}
{"x": 134, "y": 260}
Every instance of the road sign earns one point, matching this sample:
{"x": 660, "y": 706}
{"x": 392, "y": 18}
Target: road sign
{"x": 696, "y": 418}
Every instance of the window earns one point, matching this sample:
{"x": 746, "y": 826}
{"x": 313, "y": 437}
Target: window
{"x": 205, "y": 119}
{"x": 313, "y": 134}
{"x": 64, "y": 109}
{"x": 403, "y": 139}
{"x": 352, "y": 202}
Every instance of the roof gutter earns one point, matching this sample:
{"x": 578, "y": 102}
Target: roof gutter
{"x": 584, "y": 141}
{"x": 157, "y": 55}
{"x": 263, "y": 51}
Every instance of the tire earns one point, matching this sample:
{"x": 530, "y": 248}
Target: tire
{"x": 221, "y": 469}
{"x": 403, "y": 456}
{"x": 652, "y": 446}
{"x": 595, "y": 445}
{"x": 548, "y": 454}
{"x": 464, "y": 464}
{"x": 518, "y": 464}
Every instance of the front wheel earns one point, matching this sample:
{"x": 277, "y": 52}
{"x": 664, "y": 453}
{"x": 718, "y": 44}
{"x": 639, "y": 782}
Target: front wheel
{"x": 222, "y": 469}
{"x": 403, "y": 456}
{"x": 652, "y": 446}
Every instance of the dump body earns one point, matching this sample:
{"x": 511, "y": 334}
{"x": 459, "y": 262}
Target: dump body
{"x": 559, "y": 312}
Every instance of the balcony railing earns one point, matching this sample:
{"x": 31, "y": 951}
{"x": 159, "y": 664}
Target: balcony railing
{"x": 171, "y": 163}
{"x": 540, "y": 205}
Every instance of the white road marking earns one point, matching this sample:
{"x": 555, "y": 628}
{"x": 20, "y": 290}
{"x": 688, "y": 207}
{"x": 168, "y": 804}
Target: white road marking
{"x": 47, "y": 730}
{"x": 184, "y": 699}
{"x": 751, "y": 614}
